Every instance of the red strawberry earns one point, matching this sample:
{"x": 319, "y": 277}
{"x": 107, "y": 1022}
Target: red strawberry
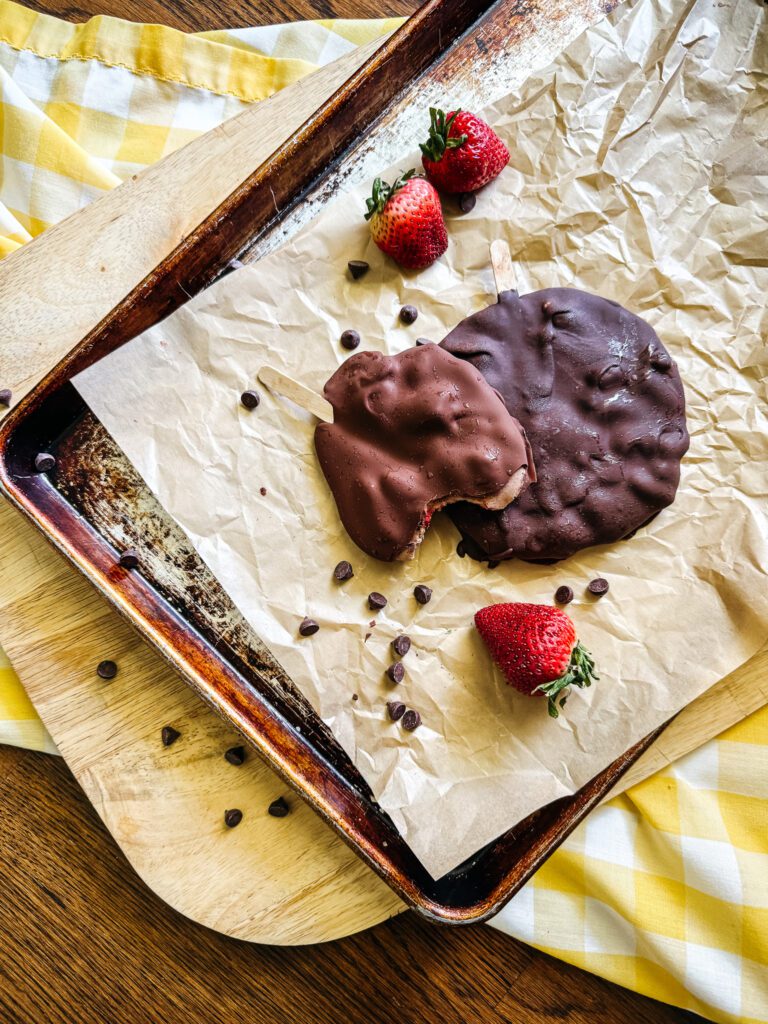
{"x": 462, "y": 153}
{"x": 535, "y": 646}
{"x": 406, "y": 221}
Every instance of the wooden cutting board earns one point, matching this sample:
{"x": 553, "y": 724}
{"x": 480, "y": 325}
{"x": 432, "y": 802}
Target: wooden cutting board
{"x": 277, "y": 880}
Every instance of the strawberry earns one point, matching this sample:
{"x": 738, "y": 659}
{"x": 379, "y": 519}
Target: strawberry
{"x": 462, "y": 153}
{"x": 535, "y": 646}
{"x": 406, "y": 221}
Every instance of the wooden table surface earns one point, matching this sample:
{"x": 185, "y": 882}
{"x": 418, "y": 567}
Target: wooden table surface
{"x": 82, "y": 940}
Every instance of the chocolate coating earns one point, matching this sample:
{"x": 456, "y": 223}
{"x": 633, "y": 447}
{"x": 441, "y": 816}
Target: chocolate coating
{"x": 411, "y": 433}
{"x": 603, "y": 407}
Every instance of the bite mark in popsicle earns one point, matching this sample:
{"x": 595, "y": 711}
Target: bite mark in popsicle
{"x": 411, "y": 434}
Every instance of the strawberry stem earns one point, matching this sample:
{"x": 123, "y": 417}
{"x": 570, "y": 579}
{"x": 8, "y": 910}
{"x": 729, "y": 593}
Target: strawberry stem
{"x": 382, "y": 192}
{"x": 438, "y": 140}
{"x": 580, "y": 672}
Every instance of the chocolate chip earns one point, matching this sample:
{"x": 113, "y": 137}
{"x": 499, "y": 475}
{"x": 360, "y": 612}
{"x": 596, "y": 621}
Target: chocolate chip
{"x": 460, "y": 549}
{"x": 424, "y": 341}
{"x": 409, "y": 314}
{"x": 493, "y": 564}
{"x": 279, "y": 808}
{"x": 129, "y": 559}
{"x": 376, "y": 601}
{"x": 263, "y": 492}
{"x": 411, "y": 720}
{"x": 355, "y": 697}
{"x": 233, "y": 817}
{"x": 467, "y": 201}
{"x": 235, "y": 756}
{"x": 401, "y": 645}
{"x": 350, "y": 340}
{"x": 5, "y": 397}
{"x": 169, "y": 735}
{"x": 44, "y": 462}
{"x": 422, "y": 594}
{"x": 106, "y": 670}
{"x": 564, "y": 595}
{"x": 308, "y": 627}
{"x": 343, "y": 572}
{"x": 598, "y": 587}
{"x": 358, "y": 268}
{"x": 395, "y": 709}
{"x": 250, "y": 399}
{"x": 396, "y": 672}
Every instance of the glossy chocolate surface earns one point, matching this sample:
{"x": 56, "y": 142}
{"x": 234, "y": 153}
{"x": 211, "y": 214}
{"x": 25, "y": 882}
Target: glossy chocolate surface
{"x": 411, "y": 433}
{"x": 603, "y": 407}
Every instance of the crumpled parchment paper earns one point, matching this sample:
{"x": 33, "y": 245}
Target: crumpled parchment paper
{"x": 639, "y": 170}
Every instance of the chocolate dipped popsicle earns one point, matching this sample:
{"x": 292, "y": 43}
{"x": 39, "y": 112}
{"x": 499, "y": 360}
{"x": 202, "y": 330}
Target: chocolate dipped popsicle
{"x": 603, "y": 406}
{"x": 411, "y": 434}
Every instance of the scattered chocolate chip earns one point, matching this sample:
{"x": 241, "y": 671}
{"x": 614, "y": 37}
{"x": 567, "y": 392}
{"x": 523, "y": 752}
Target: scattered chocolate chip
{"x": 263, "y": 492}
{"x": 250, "y": 399}
{"x": 343, "y": 572}
{"x": 409, "y": 314}
{"x": 279, "y": 808}
{"x": 376, "y": 601}
{"x": 169, "y": 735}
{"x": 564, "y": 595}
{"x": 401, "y": 645}
{"x": 422, "y": 594}
{"x": 424, "y": 341}
{"x": 395, "y": 709}
{"x": 396, "y": 672}
{"x": 5, "y": 397}
{"x": 129, "y": 559}
{"x": 367, "y": 637}
{"x": 358, "y": 268}
{"x": 350, "y": 340}
{"x": 467, "y": 201}
{"x": 355, "y": 697}
{"x": 493, "y": 564}
{"x": 235, "y": 756}
{"x": 233, "y": 817}
{"x": 411, "y": 720}
{"x": 460, "y": 549}
{"x": 44, "y": 462}
{"x": 598, "y": 587}
{"x": 372, "y": 623}
{"x": 308, "y": 627}
{"x": 106, "y": 670}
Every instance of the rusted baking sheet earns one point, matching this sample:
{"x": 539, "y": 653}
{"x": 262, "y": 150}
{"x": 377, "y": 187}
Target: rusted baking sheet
{"x": 94, "y": 504}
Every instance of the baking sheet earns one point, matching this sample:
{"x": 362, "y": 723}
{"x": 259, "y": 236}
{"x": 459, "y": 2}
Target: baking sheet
{"x": 639, "y": 170}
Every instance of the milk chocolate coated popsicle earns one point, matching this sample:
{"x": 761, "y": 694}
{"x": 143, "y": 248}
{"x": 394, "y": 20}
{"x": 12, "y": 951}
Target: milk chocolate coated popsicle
{"x": 412, "y": 433}
{"x": 603, "y": 407}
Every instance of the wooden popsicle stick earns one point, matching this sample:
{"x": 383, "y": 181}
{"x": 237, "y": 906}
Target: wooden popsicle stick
{"x": 503, "y": 271}
{"x": 302, "y": 396}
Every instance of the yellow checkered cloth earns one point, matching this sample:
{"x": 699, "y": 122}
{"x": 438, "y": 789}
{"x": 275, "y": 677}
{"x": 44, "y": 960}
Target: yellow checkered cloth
{"x": 663, "y": 890}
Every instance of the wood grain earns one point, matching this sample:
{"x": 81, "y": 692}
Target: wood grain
{"x": 57, "y": 287}
{"x": 167, "y": 805}
{"x": 96, "y": 944}
{"x": 293, "y": 390}
{"x": 84, "y": 941}
{"x": 206, "y": 15}
{"x": 501, "y": 263}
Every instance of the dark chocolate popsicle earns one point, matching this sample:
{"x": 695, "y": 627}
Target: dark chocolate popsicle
{"x": 411, "y": 434}
{"x": 603, "y": 407}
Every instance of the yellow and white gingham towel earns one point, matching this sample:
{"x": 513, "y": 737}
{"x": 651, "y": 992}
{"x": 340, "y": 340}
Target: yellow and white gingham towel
{"x": 663, "y": 890}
